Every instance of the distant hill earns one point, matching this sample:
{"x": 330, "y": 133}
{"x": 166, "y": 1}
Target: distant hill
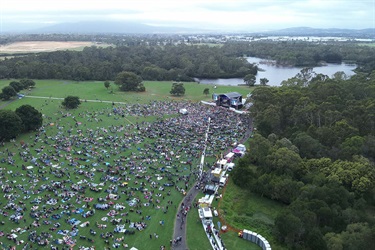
{"x": 108, "y": 27}
{"x": 307, "y": 31}
{"x": 132, "y": 27}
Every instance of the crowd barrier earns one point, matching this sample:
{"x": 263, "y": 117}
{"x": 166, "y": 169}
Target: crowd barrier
{"x": 256, "y": 238}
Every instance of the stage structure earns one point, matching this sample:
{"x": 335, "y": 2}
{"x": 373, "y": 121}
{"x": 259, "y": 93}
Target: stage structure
{"x": 228, "y": 100}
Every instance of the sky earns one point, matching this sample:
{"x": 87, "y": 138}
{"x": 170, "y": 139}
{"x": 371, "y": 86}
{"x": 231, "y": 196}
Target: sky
{"x": 226, "y": 15}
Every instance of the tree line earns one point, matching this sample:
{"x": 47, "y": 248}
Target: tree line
{"x": 306, "y": 54}
{"x": 11, "y": 90}
{"x": 314, "y": 151}
{"x": 168, "y": 62}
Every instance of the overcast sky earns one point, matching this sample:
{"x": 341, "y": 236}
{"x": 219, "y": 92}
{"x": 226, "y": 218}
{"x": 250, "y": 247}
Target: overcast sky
{"x": 252, "y": 15}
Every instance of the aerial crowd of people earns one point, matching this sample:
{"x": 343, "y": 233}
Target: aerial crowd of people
{"x": 131, "y": 165}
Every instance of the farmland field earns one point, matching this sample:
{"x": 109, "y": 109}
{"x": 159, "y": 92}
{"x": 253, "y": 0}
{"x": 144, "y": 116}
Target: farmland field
{"x": 106, "y": 167}
{"x": 45, "y": 46}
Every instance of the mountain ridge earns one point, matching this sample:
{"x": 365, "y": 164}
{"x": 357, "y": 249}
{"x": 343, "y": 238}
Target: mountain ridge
{"x": 87, "y": 27}
{"x": 132, "y": 27}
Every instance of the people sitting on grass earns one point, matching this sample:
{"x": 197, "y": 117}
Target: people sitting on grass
{"x": 78, "y": 157}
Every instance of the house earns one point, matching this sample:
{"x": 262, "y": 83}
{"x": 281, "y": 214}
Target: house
{"x": 228, "y": 100}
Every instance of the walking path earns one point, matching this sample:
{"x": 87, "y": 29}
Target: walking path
{"x": 180, "y": 220}
{"x": 7, "y": 103}
{"x": 180, "y": 226}
{"x": 56, "y": 98}
{"x": 82, "y": 100}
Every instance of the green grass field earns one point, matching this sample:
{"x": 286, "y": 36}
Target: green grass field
{"x": 154, "y": 91}
{"x": 367, "y": 44}
{"x": 55, "y": 118}
{"x": 245, "y": 210}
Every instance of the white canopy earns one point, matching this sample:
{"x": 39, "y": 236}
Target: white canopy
{"x": 183, "y": 111}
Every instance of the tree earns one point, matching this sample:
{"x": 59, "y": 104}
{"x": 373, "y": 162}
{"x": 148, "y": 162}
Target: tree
{"x": 27, "y": 83}
{"x": 71, "y": 102}
{"x": 206, "y": 91}
{"x": 339, "y": 75}
{"x": 259, "y": 148}
{"x": 263, "y": 81}
{"x": 308, "y": 146}
{"x": 315, "y": 240}
{"x": 249, "y": 79}
{"x": 289, "y": 227}
{"x": 31, "y": 118}
{"x": 16, "y": 85}
{"x": 128, "y": 81}
{"x": 284, "y": 161}
{"x": 107, "y": 84}
{"x": 177, "y": 89}
{"x": 8, "y": 92}
{"x": 10, "y": 125}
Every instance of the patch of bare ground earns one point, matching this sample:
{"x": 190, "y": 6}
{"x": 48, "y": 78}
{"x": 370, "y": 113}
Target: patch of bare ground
{"x": 42, "y": 46}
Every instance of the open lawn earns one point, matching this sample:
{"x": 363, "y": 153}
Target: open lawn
{"x": 245, "y": 210}
{"x": 95, "y": 90}
{"x": 367, "y": 44}
{"x": 46, "y": 176}
{"x": 45, "y": 46}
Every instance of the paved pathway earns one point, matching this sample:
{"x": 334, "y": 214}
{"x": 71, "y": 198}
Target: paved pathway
{"x": 180, "y": 222}
{"x": 7, "y": 103}
{"x": 82, "y": 100}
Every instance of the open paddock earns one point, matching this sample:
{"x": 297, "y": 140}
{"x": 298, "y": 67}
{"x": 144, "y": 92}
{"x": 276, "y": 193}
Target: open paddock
{"x": 45, "y": 46}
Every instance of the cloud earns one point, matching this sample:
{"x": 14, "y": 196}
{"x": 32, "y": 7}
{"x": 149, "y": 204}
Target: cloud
{"x": 233, "y": 14}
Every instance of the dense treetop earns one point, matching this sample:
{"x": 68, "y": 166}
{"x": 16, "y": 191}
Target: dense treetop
{"x": 303, "y": 54}
{"x": 330, "y": 114}
{"x": 169, "y": 62}
{"x": 315, "y": 153}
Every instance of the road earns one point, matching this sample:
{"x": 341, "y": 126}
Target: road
{"x": 179, "y": 225}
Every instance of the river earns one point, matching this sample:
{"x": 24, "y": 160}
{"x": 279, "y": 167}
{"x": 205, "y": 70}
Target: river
{"x": 276, "y": 74}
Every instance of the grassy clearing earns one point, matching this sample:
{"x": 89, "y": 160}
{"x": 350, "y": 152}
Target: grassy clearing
{"x": 141, "y": 238}
{"x": 95, "y": 90}
{"x": 233, "y": 242}
{"x": 367, "y": 44}
{"x": 245, "y": 210}
{"x": 56, "y": 118}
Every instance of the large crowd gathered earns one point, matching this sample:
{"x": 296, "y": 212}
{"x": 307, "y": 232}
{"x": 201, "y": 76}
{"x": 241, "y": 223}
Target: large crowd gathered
{"x": 149, "y": 150}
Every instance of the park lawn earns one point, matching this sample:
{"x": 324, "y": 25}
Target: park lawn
{"x": 367, "y": 44}
{"x": 155, "y": 90}
{"x": 233, "y": 242}
{"x": 231, "y": 239}
{"x": 243, "y": 209}
{"x": 52, "y": 111}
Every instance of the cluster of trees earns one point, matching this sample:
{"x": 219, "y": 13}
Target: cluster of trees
{"x": 315, "y": 153}
{"x": 26, "y": 118}
{"x": 167, "y": 62}
{"x": 11, "y": 90}
{"x": 324, "y": 198}
{"x": 325, "y": 117}
{"x": 306, "y": 54}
